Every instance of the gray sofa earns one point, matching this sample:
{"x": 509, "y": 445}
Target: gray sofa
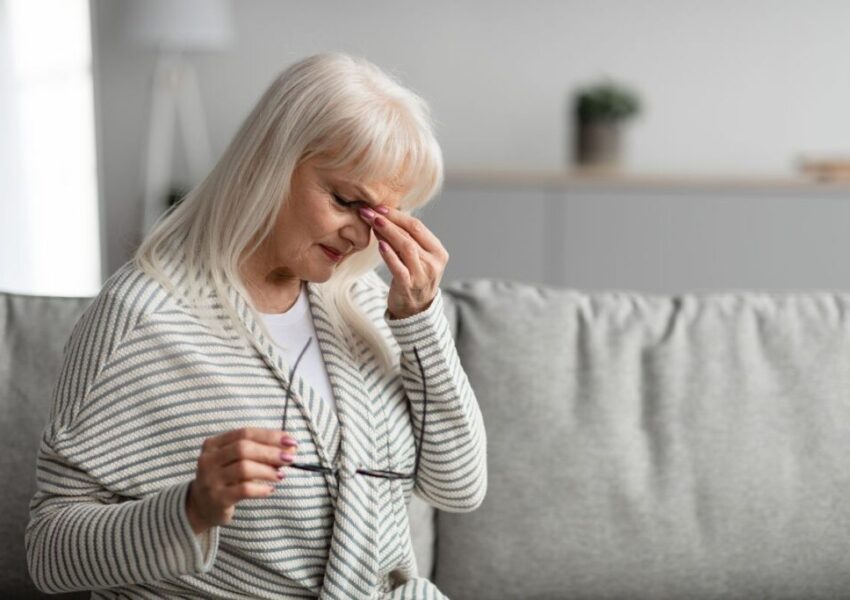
{"x": 638, "y": 446}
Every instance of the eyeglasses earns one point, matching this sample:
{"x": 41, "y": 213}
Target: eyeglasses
{"x": 370, "y": 472}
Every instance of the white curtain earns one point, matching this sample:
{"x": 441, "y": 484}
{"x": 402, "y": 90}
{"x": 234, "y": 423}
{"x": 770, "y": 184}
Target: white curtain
{"x": 49, "y": 231}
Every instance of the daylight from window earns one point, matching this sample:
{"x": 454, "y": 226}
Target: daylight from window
{"x": 49, "y": 232}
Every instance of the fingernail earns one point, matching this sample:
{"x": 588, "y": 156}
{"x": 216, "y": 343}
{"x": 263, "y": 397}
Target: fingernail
{"x": 280, "y": 475}
{"x": 379, "y": 222}
{"x": 383, "y": 246}
{"x": 366, "y": 213}
{"x": 285, "y": 456}
{"x": 288, "y": 441}
{"x": 383, "y": 210}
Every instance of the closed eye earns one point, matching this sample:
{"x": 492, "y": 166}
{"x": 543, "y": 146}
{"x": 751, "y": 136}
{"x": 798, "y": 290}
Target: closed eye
{"x": 343, "y": 202}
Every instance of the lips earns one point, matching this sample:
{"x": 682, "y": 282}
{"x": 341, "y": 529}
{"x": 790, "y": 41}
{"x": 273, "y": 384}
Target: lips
{"x": 334, "y": 255}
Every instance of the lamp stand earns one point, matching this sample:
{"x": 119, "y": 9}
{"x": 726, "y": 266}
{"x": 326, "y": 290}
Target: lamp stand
{"x": 175, "y": 97}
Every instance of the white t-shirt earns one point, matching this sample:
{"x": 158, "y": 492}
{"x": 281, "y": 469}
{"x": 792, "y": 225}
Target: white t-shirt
{"x": 290, "y": 331}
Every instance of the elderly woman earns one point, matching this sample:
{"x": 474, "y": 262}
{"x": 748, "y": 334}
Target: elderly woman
{"x": 246, "y": 407}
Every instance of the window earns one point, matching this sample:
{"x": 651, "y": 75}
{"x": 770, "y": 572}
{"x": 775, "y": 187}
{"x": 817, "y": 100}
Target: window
{"x": 49, "y": 218}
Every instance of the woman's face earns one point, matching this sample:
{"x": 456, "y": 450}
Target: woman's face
{"x": 319, "y": 227}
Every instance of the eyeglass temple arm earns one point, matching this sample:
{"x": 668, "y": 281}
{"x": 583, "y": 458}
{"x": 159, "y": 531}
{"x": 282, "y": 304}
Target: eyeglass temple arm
{"x": 388, "y": 474}
{"x": 289, "y": 383}
{"x": 424, "y": 413}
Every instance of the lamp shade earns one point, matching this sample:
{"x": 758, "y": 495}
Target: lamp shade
{"x": 180, "y": 24}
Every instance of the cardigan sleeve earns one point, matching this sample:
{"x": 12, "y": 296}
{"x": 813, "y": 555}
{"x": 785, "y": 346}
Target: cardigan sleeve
{"x": 453, "y": 465}
{"x": 80, "y": 538}
{"x": 81, "y": 535}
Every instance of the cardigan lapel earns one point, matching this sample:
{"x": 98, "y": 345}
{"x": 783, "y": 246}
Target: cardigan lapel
{"x": 347, "y": 441}
{"x": 320, "y": 418}
{"x": 352, "y": 568}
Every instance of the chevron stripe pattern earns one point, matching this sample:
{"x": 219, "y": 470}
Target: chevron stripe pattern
{"x": 146, "y": 379}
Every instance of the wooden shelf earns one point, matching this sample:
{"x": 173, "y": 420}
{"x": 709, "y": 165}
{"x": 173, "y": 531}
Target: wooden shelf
{"x": 651, "y": 181}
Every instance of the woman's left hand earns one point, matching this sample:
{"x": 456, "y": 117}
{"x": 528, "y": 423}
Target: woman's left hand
{"x": 414, "y": 256}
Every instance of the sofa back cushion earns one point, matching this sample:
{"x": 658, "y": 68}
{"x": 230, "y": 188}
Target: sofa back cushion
{"x": 654, "y": 447}
{"x": 33, "y": 332}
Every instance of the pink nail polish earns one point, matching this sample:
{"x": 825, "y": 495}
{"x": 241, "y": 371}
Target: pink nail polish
{"x": 383, "y": 210}
{"x": 366, "y": 213}
{"x": 383, "y": 246}
{"x": 285, "y": 456}
{"x": 379, "y": 222}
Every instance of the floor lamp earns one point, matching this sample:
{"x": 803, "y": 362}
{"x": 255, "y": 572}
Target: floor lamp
{"x": 173, "y": 28}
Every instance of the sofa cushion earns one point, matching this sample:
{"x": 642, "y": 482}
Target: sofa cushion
{"x": 33, "y": 331}
{"x": 654, "y": 447}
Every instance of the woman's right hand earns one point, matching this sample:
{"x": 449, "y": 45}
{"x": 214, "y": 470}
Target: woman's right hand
{"x": 228, "y": 471}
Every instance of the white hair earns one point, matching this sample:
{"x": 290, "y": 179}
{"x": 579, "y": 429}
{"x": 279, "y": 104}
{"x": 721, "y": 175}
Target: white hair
{"x": 346, "y": 113}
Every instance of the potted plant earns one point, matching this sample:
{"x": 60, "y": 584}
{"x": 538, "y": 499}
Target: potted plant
{"x": 599, "y": 111}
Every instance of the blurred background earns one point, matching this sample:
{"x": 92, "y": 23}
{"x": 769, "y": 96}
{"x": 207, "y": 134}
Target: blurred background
{"x": 655, "y": 145}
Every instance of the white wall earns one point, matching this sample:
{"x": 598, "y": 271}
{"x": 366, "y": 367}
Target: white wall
{"x": 732, "y": 87}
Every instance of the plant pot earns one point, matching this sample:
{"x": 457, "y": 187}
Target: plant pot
{"x": 598, "y": 143}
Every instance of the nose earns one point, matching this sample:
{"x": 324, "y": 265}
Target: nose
{"x": 357, "y": 232}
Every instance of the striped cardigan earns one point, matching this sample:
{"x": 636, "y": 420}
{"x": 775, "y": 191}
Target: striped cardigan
{"x": 145, "y": 381}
